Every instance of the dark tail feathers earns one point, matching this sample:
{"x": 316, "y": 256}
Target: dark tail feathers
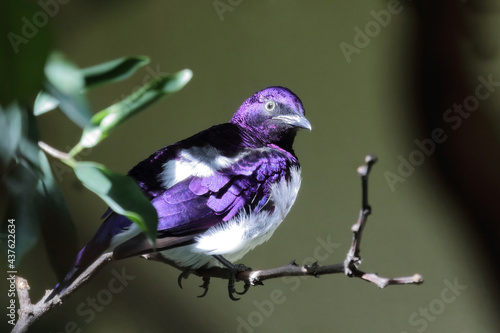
{"x": 112, "y": 226}
{"x": 84, "y": 259}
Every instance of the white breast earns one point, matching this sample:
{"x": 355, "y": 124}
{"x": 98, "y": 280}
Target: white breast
{"x": 242, "y": 233}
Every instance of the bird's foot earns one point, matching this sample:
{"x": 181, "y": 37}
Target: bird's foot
{"x": 234, "y": 270}
{"x": 232, "y": 281}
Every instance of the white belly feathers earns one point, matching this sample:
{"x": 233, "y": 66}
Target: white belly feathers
{"x": 242, "y": 233}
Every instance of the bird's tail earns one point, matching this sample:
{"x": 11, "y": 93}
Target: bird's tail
{"x": 87, "y": 255}
{"x": 98, "y": 245}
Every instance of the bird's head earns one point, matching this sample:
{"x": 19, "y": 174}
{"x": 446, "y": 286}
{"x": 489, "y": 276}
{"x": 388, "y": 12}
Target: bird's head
{"x": 273, "y": 115}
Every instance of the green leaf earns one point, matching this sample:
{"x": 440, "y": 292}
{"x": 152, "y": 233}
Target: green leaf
{"x": 103, "y": 122}
{"x": 37, "y": 205}
{"x": 32, "y": 196}
{"x": 63, "y": 74}
{"x": 44, "y": 103}
{"x": 10, "y": 132}
{"x": 20, "y": 178}
{"x": 23, "y": 50}
{"x": 66, "y": 84}
{"x": 112, "y": 71}
{"x": 57, "y": 227}
{"x": 121, "y": 193}
{"x": 20, "y": 184}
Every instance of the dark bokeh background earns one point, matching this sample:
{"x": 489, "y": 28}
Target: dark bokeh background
{"x": 393, "y": 90}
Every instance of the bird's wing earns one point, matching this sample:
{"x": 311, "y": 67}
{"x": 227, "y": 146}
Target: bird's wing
{"x": 195, "y": 204}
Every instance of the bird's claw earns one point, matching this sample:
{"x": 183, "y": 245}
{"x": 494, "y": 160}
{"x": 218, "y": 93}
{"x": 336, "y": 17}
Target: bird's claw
{"x": 183, "y": 275}
{"x": 204, "y": 285}
{"x": 230, "y": 288}
{"x": 246, "y": 287}
{"x": 235, "y": 269}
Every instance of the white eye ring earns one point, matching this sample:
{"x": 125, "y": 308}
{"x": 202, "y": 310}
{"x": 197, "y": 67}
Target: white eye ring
{"x": 270, "y": 105}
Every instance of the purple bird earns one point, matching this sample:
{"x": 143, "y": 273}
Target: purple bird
{"x": 218, "y": 193}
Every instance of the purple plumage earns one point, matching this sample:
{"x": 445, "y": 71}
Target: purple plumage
{"x": 220, "y": 192}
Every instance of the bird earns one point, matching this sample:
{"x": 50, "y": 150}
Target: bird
{"x": 218, "y": 193}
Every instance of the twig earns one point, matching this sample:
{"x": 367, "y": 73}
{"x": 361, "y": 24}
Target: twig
{"x": 29, "y": 313}
{"x": 353, "y": 258}
{"x": 62, "y": 156}
{"x": 53, "y": 152}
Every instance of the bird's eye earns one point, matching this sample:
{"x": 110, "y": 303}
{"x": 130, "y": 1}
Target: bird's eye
{"x": 270, "y": 105}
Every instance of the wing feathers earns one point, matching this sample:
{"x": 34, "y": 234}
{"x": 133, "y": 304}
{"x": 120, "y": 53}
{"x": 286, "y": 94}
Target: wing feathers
{"x": 140, "y": 245}
{"x": 197, "y": 203}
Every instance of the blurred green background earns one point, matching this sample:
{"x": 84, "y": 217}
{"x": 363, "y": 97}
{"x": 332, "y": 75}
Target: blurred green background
{"x": 359, "y": 104}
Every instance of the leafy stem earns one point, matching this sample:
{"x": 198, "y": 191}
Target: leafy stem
{"x": 62, "y": 156}
{"x": 75, "y": 150}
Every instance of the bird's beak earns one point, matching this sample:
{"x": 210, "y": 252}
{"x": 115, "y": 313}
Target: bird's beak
{"x": 294, "y": 120}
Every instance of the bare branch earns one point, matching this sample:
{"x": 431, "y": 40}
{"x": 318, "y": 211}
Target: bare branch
{"x": 29, "y": 313}
{"x": 353, "y": 258}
